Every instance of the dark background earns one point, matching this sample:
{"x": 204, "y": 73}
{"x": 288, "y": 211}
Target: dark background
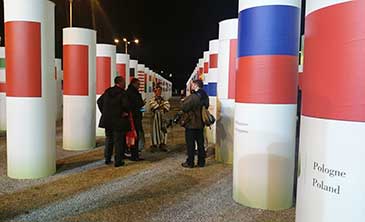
{"x": 173, "y": 33}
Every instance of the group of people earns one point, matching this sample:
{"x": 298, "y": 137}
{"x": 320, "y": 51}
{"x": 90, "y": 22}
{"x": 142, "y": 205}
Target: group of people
{"x": 122, "y": 112}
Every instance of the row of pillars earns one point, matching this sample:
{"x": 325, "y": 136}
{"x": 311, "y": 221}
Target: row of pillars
{"x": 257, "y": 85}
{"x": 32, "y": 96}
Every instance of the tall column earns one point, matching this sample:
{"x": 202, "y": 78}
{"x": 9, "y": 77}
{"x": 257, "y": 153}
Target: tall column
{"x": 146, "y": 88}
{"x": 59, "y": 94}
{"x": 31, "y": 142}
{"x": 123, "y": 66}
{"x": 212, "y": 84}
{"x": 2, "y": 90}
{"x": 266, "y": 97}
{"x": 206, "y": 71}
{"x": 331, "y": 178}
{"x": 79, "y": 64}
{"x": 141, "y": 70}
{"x": 133, "y": 69}
{"x": 201, "y": 69}
{"x": 105, "y": 74}
{"x": 226, "y": 89}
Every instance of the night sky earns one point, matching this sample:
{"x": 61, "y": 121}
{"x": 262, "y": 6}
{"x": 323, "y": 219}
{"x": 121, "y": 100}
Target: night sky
{"x": 173, "y": 34}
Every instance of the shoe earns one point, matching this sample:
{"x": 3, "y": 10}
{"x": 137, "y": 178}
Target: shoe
{"x": 119, "y": 165}
{"x": 153, "y": 149}
{"x": 186, "y": 165}
{"x": 108, "y": 162}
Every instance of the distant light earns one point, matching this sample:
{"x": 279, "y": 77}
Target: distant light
{"x": 170, "y": 75}
{"x": 161, "y": 72}
{"x": 116, "y": 41}
{"x": 125, "y": 40}
{"x": 136, "y": 41}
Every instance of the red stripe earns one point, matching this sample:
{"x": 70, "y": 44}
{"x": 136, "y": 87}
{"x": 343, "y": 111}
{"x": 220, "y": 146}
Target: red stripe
{"x": 232, "y": 69}
{"x": 2, "y": 87}
{"x": 23, "y": 59}
{"x": 213, "y": 61}
{"x": 122, "y": 70}
{"x": 103, "y": 74}
{"x": 300, "y": 80}
{"x": 76, "y": 70}
{"x": 334, "y": 83}
{"x": 206, "y": 68}
{"x": 267, "y": 79}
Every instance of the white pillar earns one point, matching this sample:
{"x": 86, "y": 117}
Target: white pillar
{"x": 79, "y": 59}
{"x": 123, "y": 66}
{"x": 226, "y": 89}
{"x": 59, "y": 93}
{"x": 141, "y": 70}
{"x": 105, "y": 74}
{"x": 31, "y": 150}
{"x": 133, "y": 70}
{"x": 2, "y": 90}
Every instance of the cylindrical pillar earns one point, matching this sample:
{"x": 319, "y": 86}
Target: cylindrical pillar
{"x": 266, "y": 97}
{"x": 212, "y": 85}
{"x": 31, "y": 142}
{"x": 123, "y": 66}
{"x": 79, "y": 64}
{"x": 228, "y": 32}
{"x": 206, "y": 71}
{"x": 59, "y": 94}
{"x": 141, "y": 70}
{"x": 146, "y": 88}
{"x": 133, "y": 69}
{"x": 2, "y": 91}
{"x": 331, "y": 176}
{"x": 201, "y": 69}
{"x": 105, "y": 74}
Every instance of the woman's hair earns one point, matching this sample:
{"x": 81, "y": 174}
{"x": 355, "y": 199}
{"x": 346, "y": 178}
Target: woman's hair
{"x": 199, "y": 83}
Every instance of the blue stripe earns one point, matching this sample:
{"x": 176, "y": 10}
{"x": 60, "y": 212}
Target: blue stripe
{"x": 212, "y": 89}
{"x": 269, "y": 30}
{"x": 206, "y": 88}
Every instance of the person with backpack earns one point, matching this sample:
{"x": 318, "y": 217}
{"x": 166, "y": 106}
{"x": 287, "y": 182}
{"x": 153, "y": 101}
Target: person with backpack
{"x": 192, "y": 107}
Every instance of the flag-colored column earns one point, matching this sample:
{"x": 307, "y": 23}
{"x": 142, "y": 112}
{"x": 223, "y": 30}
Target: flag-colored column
{"x": 133, "y": 69}
{"x": 212, "y": 85}
{"x": 141, "y": 70}
{"x": 31, "y": 142}
{"x": 123, "y": 66}
{"x": 206, "y": 71}
{"x": 105, "y": 74}
{"x": 266, "y": 97}
{"x": 2, "y": 90}
{"x": 226, "y": 89}
{"x": 79, "y": 64}
{"x": 331, "y": 176}
{"x": 201, "y": 69}
{"x": 59, "y": 93}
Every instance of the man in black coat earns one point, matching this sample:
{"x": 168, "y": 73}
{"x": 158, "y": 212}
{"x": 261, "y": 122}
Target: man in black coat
{"x": 114, "y": 108}
{"x": 136, "y": 104}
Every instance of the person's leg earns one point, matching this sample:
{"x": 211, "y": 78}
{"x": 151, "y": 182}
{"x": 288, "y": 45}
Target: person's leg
{"x": 134, "y": 149}
{"x": 109, "y": 143}
{"x": 190, "y": 143}
{"x": 119, "y": 141}
{"x": 201, "y": 148}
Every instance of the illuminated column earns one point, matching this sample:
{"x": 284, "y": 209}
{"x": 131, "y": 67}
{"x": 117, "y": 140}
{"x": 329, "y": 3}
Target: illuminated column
{"x": 105, "y": 74}
{"x": 2, "y": 90}
{"x": 123, "y": 66}
{"x": 226, "y": 89}
{"x": 58, "y": 78}
{"x": 201, "y": 69}
{"x": 133, "y": 69}
{"x": 31, "y": 142}
{"x": 266, "y": 97}
{"x": 206, "y": 71}
{"x": 79, "y": 64}
{"x": 212, "y": 85}
{"x": 331, "y": 175}
{"x": 141, "y": 70}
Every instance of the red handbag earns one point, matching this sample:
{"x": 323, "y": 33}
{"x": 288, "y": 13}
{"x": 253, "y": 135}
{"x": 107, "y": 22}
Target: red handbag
{"x": 131, "y": 136}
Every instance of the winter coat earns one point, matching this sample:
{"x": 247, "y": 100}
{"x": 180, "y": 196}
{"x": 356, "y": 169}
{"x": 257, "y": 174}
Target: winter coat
{"x": 192, "y": 105}
{"x": 136, "y": 104}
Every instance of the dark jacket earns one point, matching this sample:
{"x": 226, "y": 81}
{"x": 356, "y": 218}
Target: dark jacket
{"x": 114, "y": 108}
{"x": 192, "y": 105}
{"x": 136, "y": 104}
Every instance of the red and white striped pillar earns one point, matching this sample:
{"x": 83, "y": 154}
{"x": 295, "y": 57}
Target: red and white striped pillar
{"x": 123, "y": 66}
{"x": 266, "y": 103}
{"x": 31, "y": 142}
{"x": 105, "y": 74}
{"x": 228, "y": 32}
{"x": 141, "y": 74}
{"x": 212, "y": 85}
{"x": 59, "y": 94}
{"x": 2, "y": 90}
{"x": 331, "y": 176}
{"x": 133, "y": 69}
{"x": 79, "y": 64}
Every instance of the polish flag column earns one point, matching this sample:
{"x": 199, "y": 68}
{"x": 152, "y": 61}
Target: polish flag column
{"x": 228, "y": 32}
{"x": 201, "y": 69}
{"x": 105, "y": 74}
{"x": 266, "y": 98}
{"x": 212, "y": 85}
{"x": 31, "y": 142}
{"x": 123, "y": 66}
{"x": 2, "y": 90}
{"x": 141, "y": 70}
{"x": 133, "y": 69}
{"x": 206, "y": 71}
{"x": 331, "y": 176}
{"x": 79, "y": 64}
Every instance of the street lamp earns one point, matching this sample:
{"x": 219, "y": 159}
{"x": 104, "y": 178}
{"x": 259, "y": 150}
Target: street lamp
{"x": 71, "y": 1}
{"x": 126, "y": 43}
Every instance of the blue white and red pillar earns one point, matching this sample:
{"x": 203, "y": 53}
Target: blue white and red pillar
{"x": 206, "y": 71}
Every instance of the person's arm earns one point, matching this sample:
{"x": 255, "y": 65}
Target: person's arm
{"x": 101, "y": 103}
{"x": 190, "y": 103}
